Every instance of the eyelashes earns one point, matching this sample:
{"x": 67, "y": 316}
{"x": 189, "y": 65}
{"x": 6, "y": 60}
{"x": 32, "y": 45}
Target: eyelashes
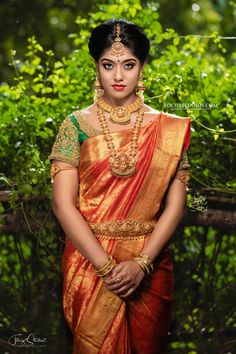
{"x": 107, "y": 66}
{"x": 127, "y": 66}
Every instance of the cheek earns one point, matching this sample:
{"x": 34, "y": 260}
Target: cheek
{"x": 104, "y": 77}
{"x": 133, "y": 78}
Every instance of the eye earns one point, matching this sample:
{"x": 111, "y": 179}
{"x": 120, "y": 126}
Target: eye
{"x": 107, "y": 66}
{"x": 129, "y": 66}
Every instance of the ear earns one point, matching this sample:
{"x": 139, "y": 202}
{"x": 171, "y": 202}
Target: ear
{"x": 96, "y": 68}
{"x": 142, "y": 68}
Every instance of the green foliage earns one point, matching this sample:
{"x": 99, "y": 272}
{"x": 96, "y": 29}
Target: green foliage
{"x": 186, "y": 76}
{"x": 205, "y": 275}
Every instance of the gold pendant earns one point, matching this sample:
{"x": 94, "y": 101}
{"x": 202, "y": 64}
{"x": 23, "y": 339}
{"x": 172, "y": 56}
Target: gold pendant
{"x": 121, "y": 167}
{"x": 120, "y": 115}
{"x": 117, "y": 48}
{"x": 128, "y": 173}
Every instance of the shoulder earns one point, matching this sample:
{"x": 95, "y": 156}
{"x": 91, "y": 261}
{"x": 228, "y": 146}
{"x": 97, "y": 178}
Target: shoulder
{"x": 86, "y": 113}
{"x": 150, "y": 113}
{"x": 66, "y": 123}
{"x": 150, "y": 110}
{"x": 89, "y": 110}
{"x": 85, "y": 120}
{"x": 171, "y": 116}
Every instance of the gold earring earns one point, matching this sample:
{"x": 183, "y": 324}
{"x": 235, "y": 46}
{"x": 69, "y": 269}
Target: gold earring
{"x": 98, "y": 90}
{"x": 140, "y": 87}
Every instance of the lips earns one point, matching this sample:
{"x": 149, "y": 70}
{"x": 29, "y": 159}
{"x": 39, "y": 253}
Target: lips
{"x": 118, "y": 87}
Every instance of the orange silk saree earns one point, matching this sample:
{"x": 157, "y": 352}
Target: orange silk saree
{"x": 122, "y": 214}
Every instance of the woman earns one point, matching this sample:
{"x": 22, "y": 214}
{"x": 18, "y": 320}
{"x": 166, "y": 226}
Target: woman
{"x": 119, "y": 169}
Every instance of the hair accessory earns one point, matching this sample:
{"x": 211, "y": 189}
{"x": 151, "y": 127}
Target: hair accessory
{"x": 144, "y": 262}
{"x": 106, "y": 268}
{"x": 117, "y": 47}
{"x": 122, "y": 165}
{"x": 98, "y": 90}
{"x": 120, "y": 114}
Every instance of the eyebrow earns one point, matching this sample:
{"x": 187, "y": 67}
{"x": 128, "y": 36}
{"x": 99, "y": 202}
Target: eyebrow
{"x": 106, "y": 59}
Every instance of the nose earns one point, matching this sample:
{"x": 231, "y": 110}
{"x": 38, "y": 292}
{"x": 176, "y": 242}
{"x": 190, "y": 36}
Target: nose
{"x": 119, "y": 74}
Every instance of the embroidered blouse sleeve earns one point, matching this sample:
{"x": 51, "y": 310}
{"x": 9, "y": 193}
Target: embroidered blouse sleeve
{"x": 182, "y": 172}
{"x": 66, "y": 146}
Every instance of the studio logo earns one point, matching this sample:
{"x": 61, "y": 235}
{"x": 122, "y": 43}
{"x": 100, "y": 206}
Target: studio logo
{"x": 27, "y": 340}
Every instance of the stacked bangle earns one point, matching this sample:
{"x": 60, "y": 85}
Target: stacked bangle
{"x": 144, "y": 262}
{"x": 106, "y": 268}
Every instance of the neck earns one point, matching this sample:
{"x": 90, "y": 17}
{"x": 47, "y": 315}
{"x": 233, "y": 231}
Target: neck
{"x": 126, "y": 101}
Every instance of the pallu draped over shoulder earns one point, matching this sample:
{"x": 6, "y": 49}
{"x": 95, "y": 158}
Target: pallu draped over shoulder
{"x": 122, "y": 213}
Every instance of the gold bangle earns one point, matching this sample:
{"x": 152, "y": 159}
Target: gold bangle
{"x": 144, "y": 262}
{"x": 106, "y": 268}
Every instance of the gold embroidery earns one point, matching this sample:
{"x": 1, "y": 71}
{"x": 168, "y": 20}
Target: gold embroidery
{"x": 183, "y": 164}
{"x": 66, "y": 147}
{"x": 85, "y": 126}
{"x": 123, "y": 228}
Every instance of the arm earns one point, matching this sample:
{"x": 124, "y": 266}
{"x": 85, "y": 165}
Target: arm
{"x": 129, "y": 271}
{"x": 168, "y": 221}
{"x": 65, "y": 191}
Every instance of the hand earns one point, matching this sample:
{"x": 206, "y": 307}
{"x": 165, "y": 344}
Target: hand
{"x": 131, "y": 276}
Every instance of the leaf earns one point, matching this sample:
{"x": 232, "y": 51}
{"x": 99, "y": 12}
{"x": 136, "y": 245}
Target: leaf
{"x": 176, "y": 41}
{"x": 132, "y": 11}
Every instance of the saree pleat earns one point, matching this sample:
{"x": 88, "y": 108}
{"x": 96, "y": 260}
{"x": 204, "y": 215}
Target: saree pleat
{"x": 101, "y": 321}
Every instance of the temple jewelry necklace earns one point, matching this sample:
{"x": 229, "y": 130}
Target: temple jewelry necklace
{"x": 122, "y": 165}
{"x": 120, "y": 114}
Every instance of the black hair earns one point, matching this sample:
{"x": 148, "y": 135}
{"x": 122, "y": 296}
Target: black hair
{"x": 132, "y": 36}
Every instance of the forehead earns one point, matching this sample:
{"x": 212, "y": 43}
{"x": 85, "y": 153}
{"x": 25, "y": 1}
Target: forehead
{"x": 107, "y": 54}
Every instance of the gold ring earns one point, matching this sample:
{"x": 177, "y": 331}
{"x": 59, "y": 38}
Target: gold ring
{"x": 118, "y": 279}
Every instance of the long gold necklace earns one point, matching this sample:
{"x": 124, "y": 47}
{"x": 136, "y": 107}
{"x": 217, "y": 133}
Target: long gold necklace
{"x": 122, "y": 165}
{"x": 120, "y": 114}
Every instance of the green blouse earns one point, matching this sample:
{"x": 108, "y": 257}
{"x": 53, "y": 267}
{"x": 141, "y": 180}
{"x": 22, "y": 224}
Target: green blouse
{"x": 70, "y": 136}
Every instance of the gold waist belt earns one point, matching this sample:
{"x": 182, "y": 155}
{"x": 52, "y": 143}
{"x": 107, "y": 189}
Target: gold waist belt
{"x": 123, "y": 228}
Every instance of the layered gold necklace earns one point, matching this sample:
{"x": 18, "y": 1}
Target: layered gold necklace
{"x": 122, "y": 165}
{"x": 120, "y": 114}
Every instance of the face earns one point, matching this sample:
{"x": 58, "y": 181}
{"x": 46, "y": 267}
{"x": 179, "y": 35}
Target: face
{"x": 119, "y": 75}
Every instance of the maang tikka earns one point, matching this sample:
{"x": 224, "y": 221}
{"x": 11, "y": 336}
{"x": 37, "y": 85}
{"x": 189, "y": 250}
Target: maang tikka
{"x": 117, "y": 47}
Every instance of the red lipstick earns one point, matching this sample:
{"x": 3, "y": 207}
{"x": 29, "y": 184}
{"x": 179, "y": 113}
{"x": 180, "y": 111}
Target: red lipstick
{"x": 118, "y": 87}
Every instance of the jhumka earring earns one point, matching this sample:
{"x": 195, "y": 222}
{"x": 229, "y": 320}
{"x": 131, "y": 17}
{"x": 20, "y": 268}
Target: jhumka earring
{"x": 98, "y": 90}
{"x": 140, "y": 87}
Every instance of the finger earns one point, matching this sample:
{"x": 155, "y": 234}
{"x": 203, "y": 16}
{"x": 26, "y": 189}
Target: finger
{"x": 128, "y": 293}
{"x": 122, "y": 291}
{"x": 117, "y": 284}
{"x": 113, "y": 279}
{"x": 117, "y": 269}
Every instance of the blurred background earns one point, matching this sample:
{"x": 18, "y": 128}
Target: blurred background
{"x": 51, "y": 22}
{"x": 46, "y": 73}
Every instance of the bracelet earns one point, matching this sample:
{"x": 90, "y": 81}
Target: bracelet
{"x": 183, "y": 176}
{"x": 106, "y": 268}
{"x": 55, "y": 169}
{"x": 144, "y": 262}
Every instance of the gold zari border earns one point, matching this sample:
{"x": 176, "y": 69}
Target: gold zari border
{"x": 123, "y": 228}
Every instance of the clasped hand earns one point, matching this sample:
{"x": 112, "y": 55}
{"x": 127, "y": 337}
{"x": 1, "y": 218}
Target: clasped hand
{"x": 124, "y": 278}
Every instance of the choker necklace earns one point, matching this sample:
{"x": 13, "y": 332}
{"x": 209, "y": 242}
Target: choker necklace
{"x": 122, "y": 165}
{"x": 120, "y": 114}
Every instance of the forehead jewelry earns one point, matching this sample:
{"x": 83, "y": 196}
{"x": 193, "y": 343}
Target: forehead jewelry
{"x": 117, "y": 47}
